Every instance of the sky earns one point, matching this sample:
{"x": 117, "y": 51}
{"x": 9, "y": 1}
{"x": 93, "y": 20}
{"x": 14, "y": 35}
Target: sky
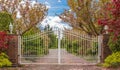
{"x": 55, "y": 6}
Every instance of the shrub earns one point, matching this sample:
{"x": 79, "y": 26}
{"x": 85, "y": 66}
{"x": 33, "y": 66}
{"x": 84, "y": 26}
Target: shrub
{"x": 3, "y": 41}
{"x": 53, "y": 40}
{"x": 112, "y": 60}
{"x": 4, "y": 61}
{"x": 5, "y": 19}
{"x": 93, "y": 50}
{"x": 35, "y": 47}
{"x": 73, "y": 47}
{"x": 114, "y": 46}
{"x": 3, "y": 46}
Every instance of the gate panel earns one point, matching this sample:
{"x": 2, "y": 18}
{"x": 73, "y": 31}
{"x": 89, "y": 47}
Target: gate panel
{"x": 41, "y": 48}
{"x": 78, "y": 48}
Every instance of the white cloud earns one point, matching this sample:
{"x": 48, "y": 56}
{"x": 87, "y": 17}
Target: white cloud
{"x": 55, "y": 22}
{"x": 47, "y": 4}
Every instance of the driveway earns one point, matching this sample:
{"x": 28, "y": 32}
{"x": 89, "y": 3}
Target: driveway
{"x": 66, "y": 58}
{"x": 58, "y": 67}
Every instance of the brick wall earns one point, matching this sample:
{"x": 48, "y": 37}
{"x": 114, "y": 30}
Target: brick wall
{"x": 13, "y": 49}
{"x": 105, "y": 50}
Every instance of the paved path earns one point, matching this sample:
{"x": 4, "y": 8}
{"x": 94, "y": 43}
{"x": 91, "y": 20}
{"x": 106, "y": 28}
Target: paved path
{"x": 58, "y": 67}
{"x": 66, "y": 58}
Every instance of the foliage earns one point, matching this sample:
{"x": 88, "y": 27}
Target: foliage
{"x": 4, "y": 61}
{"x": 93, "y": 50}
{"x": 26, "y": 13}
{"x": 4, "y": 41}
{"x": 33, "y": 30}
{"x": 84, "y": 14}
{"x": 53, "y": 40}
{"x": 5, "y": 19}
{"x": 35, "y": 47}
{"x": 112, "y": 20}
{"x": 112, "y": 60}
{"x": 76, "y": 48}
{"x": 114, "y": 46}
{"x": 52, "y": 37}
{"x": 112, "y": 17}
{"x": 73, "y": 47}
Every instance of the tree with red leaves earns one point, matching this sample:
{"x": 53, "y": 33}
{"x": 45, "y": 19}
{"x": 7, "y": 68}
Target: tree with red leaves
{"x": 112, "y": 17}
{"x": 3, "y": 41}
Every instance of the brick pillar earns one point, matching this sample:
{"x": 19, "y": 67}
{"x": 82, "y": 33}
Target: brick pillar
{"x": 105, "y": 50}
{"x": 12, "y": 51}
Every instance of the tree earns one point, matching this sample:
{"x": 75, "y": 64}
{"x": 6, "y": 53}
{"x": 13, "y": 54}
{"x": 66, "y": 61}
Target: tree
{"x": 53, "y": 38}
{"x": 32, "y": 31}
{"x": 112, "y": 20}
{"x": 83, "y": 15}
{"x": 5, "y": 19}
{"x": 112, "y": 17}
{"x": 4, "y": 41}
{"x": 26, "y": 13}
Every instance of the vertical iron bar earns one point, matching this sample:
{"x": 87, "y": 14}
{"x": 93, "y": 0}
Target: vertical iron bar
{"x": 19, "y": 49}
{"x": 59, "y": 52}
{"x": 100, "y": 38}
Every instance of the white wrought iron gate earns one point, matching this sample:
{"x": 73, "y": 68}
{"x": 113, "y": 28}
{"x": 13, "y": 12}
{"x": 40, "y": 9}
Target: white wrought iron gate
{"x": 59, "y": 47}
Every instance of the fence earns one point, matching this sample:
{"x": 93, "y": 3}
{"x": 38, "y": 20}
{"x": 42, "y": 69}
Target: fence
{"x": 15, "y": 56}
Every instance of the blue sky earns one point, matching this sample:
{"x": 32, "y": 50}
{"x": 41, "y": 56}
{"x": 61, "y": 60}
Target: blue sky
{"x": 52, "y": 19}
{"x": 55, "y": 7}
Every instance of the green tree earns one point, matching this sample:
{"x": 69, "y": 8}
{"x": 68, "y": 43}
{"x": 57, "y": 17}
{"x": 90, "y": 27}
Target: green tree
{"x": 52, "y": 37}
{"x": 5, "y": 20}
{"x": 53, "y": 40}
{"x": 32, "y": 31}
